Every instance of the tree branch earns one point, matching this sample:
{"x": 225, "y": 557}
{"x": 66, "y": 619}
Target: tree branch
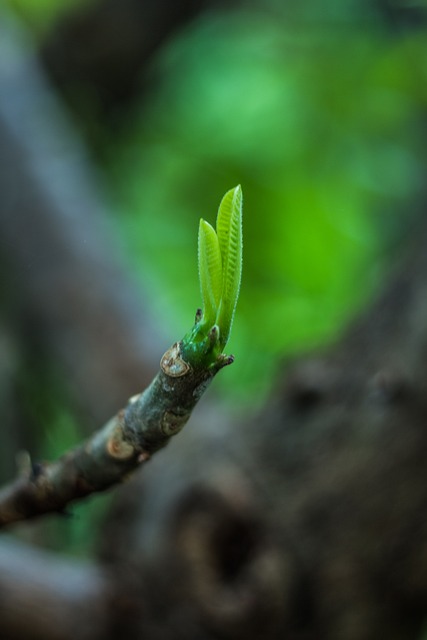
{"x": 121, "y": 446}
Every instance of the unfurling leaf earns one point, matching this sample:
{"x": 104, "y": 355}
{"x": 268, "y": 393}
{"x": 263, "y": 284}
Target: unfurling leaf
{"x": 229, "y": 231}
{"x": 220, "y": 268}
{"x": 210, "y": 272}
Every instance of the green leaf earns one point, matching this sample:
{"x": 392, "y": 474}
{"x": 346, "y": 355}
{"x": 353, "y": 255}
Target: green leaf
{"x": 229, "y": 230}
{"x": 220, "y": 268}
{"x": 210, "y": 272}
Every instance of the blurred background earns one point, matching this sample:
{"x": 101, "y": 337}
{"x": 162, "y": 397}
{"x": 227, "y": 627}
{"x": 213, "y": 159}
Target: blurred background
{"x": 317, "y": 109}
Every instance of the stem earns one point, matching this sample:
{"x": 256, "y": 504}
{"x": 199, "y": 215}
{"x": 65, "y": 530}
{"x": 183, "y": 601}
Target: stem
{"x": 128, "y": 440}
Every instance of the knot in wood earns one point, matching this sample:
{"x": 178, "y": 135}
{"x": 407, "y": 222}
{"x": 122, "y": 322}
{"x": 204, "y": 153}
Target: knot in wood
{"x": 173, "y": 421}
{"x": 172, "y": 364}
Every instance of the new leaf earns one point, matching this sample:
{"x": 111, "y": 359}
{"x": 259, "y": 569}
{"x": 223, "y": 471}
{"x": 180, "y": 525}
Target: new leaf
{"x": 229, "y": 231}
{"x": 210, "y": 272}
{"x": 220, "y": 270}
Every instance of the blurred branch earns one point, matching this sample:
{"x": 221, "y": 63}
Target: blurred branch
{"x": 48, "y": 598}
{"x": 70, "y": 282}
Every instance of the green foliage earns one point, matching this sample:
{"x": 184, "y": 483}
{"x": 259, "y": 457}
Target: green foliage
{"x": 229, "y": 229}
{"x": 210, "y": 272}
{"x": 220, "y": 265}
{"x": 220, "y": 269}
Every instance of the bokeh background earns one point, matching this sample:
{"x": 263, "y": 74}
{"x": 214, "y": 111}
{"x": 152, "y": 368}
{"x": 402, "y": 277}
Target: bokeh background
{"x": 317, "y": 109}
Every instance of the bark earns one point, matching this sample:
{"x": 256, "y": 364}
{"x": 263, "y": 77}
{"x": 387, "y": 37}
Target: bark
{"x": 122, "y": 446}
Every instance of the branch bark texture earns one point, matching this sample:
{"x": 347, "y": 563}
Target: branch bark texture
{"x": 127, "y": 440}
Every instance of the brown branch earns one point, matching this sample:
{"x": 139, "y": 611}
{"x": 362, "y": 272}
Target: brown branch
{"x": 121, "y": 446}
